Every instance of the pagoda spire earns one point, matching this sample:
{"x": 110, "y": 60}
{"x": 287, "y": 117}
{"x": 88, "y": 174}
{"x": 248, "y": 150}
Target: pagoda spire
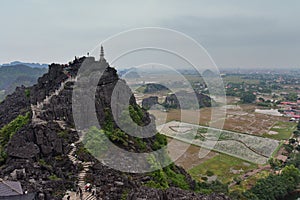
{"x": 102, "y": 53}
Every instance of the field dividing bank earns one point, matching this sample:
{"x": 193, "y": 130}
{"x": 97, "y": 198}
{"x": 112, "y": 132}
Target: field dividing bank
{"x": 244, "y": 146}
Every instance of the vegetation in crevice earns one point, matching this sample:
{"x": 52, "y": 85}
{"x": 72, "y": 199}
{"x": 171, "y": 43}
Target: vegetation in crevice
{"x": 7, "y": 131}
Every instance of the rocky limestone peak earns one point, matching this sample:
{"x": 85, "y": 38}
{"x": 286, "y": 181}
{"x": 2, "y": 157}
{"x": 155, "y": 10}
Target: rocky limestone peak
{"x": 47, "y": 155}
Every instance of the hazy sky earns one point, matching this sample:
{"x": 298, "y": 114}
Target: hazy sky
{"x": 237, "y": 33}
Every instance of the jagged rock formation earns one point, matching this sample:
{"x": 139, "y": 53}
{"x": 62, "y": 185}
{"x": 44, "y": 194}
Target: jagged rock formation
{"x": 15, "y": 104}
{"x": 184, "y": 100}
{"x": 153, "y": 88}
{"x": 41, "y": 155}
{"x": 179, "y": 100}
{"x": 149, "y": 102}
{"x": 38, "y": 150}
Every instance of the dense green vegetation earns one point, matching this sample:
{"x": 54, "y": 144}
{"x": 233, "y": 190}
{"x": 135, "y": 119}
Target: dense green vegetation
{"x": 118, "y": 136}
{"x": 167, "y": 177}
{"x": 27, "y": 93}
{"x": 9, "y": 130}
{"x": 137, "y": 114}
{"x": 275, "y": 186}
{"x": 248, "y": 97}
{"x": 292, "y": 97}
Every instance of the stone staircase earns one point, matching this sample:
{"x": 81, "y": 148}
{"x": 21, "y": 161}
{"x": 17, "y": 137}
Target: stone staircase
{"x": 36, "y": 113}
{"x": 37, "y": 109}
{"x": 81, "y": 176}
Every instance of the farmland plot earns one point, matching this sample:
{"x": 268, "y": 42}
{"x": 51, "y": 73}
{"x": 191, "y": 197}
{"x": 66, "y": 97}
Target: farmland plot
{"x": 248, "y": 147}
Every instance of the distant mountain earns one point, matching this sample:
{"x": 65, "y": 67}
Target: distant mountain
{"x": 184, "y": 100}
{"x": 152, "y": 88}
{"x": 12, "y": 76}
{"x": 33, "y": 65}
{"x": 209, "y": 73}
{"x": 128, "y": 73}
{"x": 131, "y": 74}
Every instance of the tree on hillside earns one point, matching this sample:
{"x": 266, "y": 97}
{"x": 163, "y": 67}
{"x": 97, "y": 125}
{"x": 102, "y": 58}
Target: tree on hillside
{"x": 275, "y": 186}
{"x": 297, "y": 132}
{"x": 292, "y": 97}
{"x": 248, "y": 97}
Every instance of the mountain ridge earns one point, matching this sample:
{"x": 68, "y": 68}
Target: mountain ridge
{"x": 32, "y": 65}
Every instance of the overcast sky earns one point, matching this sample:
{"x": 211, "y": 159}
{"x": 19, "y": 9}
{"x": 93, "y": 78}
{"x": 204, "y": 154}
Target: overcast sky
{"x": 236, "y": 33}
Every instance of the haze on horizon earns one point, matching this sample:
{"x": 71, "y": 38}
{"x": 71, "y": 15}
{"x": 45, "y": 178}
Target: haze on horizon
{"x": 237, "y": 34}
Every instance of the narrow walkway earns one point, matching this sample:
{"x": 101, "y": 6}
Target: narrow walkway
{"x": 81, "y": 177}
{"x": 37, "y": 109}
{"x": 36, "y": 113}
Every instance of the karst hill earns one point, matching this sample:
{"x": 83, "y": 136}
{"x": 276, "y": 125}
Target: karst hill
{"x": 41, "y": 148}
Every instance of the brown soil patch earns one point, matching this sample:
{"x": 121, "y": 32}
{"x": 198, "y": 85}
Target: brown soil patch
{"x": 191, "y": 158}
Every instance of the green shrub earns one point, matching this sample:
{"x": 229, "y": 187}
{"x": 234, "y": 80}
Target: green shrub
{"x": 27, "y": 93}
{"x": 7, "y": 131}
{"x": 53, "y": 177}
{"x": 141, "y": 143}
{"x": 275, "y": 186}
{"x": 179, "y": 180}
{"x": 209, "y": 173}
{"x": 10, "y": 129}
{"x": 124, "y": 194}
{"x": 163, "y": 178}
{"x": 63, "y": 134}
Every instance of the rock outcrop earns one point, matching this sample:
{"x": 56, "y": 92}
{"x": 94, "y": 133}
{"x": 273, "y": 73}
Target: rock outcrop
{"x": 185, "y": 100}
{"x": 15, "y": 104}
{"x": 147, "y": 103}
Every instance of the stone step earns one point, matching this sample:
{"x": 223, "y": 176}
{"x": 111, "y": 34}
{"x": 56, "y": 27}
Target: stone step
{"x": 90, "y": 197}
